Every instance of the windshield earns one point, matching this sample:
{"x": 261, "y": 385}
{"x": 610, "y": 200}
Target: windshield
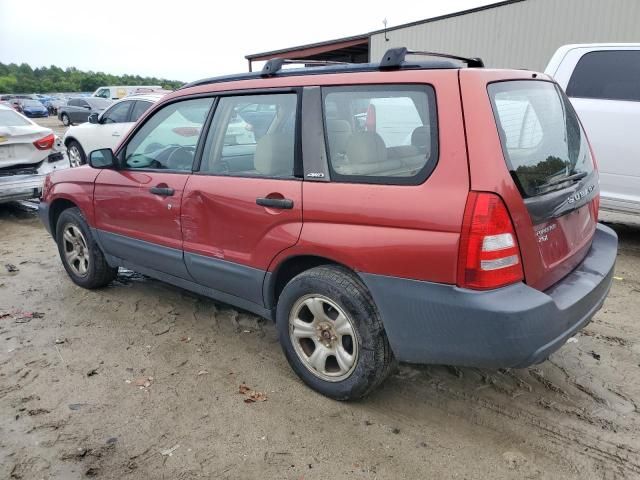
{"x": 9, "y": 118}
{"x": 543, "y": 142}
{"x": 98, "y": 103}
{"x": 31, "y": 103}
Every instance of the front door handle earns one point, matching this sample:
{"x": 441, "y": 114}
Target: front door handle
{"x": 283, "y": 203}
{"x": 115, "y": 134}
{"x": 163, "y": 191}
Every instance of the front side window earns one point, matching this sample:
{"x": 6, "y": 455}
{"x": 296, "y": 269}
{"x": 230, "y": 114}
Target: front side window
{"x": 609, "y": 74}
{"x": 543, "y": 142}
{"x": 103, "y": 93}
{"x": 118, "y": 113}
{"x": 381, "y": 134}
{"x": 167, "y": 141}
{"x": 138, "y": 109}
{"x": 252, "y": 135}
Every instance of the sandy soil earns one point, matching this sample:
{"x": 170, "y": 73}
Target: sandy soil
{"x": 140, "y": 380}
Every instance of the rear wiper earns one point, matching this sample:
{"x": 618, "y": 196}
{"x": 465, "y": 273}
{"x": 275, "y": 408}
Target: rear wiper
{"x": 571, "y": 178}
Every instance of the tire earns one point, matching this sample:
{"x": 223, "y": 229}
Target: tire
{"x": 76, "y": 154}
{"x": 333, "y": 292}
{"x": 66, "y": 121}
{"x": 74, "y": 235}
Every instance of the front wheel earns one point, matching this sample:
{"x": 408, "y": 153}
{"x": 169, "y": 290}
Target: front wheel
{"x": 80, "y": 254}
{"x": 332, "y": 334}
{"x": 76, "y": 153}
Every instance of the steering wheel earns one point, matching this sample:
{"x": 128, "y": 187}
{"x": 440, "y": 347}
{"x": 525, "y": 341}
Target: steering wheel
{"x": 189, "y": 149}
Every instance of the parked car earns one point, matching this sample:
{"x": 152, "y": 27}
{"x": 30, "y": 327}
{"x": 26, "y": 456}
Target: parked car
{"x": 105, "y": 130}
{"x": 28, "y": 152}
{"x": 33, "y": 108}
{"x": 460, "y": 246}
{"x": 121, "y": 91}
{"x": 16, "y": 104}
{"x": 54, "y": 104}
{"x": 13, "y": 105}
{"x": 603, "y": 83}
{"x": 77, "y": 110}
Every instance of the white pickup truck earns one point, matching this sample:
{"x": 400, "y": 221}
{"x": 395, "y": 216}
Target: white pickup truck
{"x": 603, "y": 83}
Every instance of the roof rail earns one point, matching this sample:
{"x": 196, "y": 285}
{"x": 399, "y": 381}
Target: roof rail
{"x": 274, "y": 65}
{"x": 394, "y": 57}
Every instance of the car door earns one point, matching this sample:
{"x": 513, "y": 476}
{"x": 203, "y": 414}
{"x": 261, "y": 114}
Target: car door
{"x": 138, "y": 206}
{"x": 108, "y": 131}
{"x": 80, "y": 113}
{"x": 243, "y": 205}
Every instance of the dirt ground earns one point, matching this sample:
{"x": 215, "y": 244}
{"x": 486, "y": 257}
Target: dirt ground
{"x": 141, "y": 380}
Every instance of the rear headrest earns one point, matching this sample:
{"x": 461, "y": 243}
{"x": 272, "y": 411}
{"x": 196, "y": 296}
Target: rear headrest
{"x": 421, "y": 137}
{"x": 338, "y": 132}
{"x": 335, "y": 125}
{"x": 366, "y": 147}
{"x": 274, "y": 155}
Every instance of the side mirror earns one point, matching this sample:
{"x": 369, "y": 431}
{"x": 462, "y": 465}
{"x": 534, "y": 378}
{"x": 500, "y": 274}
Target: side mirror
{"x": 102, "y": 158}
{"x": 88, "y": 107}
{"x": 93, "y": 118}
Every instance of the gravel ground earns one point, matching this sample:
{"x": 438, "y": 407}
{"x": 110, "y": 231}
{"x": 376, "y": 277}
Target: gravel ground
{"x": 141, "y": 380}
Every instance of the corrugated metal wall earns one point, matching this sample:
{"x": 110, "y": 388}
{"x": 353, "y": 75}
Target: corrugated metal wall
{"x": 520, "y": 35}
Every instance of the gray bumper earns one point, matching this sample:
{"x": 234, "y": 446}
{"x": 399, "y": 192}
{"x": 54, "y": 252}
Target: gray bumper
{"x": 514, "y": 326}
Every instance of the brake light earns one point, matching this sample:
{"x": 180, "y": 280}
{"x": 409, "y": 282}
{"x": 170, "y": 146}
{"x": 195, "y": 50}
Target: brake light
{"x": 370, "y": 124}
{"x": 45, "y": 143}
{"x": 489, "y": 255}
{"x": 595, "y": 206}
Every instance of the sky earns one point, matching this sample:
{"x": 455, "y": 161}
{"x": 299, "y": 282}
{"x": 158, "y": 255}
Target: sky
{"x": 188, "y": 39}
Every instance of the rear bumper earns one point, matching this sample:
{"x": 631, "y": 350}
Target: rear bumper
{"x": 24, "y": 187}
{"x": 514, "y": 326}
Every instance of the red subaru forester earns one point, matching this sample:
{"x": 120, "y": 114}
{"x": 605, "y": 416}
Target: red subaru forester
{"x": 422, "y": 211}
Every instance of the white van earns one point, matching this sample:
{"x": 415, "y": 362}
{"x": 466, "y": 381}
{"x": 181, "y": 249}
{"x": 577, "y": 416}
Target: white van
{"x": 120, "y": 91}
{"x": 603, "y": 83}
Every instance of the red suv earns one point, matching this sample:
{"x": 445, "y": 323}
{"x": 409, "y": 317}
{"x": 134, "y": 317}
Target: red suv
{"x": 420, "y": 211}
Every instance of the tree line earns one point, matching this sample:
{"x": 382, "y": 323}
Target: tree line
{"x": 24, "y": 79}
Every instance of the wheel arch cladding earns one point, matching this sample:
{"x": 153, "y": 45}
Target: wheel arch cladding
{"x": 288, "y": 269}
{"x": 56, "y": 208}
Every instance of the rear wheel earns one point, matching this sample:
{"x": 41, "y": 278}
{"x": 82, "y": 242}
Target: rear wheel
{"x": 76, "y": 153}
{"x": 66, "y": 121}
{"x": 332, "y": 334}
{"x": 80, "y": 254}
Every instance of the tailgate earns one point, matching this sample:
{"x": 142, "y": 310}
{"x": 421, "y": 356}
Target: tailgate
{"x": 550, "y": 162}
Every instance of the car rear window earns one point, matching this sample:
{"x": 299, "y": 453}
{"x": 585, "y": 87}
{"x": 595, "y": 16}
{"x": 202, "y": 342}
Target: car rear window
{"x": 381, "y": 133}
{"x": 543, "y": 142}
{"x": 10, "y": 118}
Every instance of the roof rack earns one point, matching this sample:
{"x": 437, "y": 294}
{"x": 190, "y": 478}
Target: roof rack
{"x": 395, "y": 57}
{"x": 274, "y": 65}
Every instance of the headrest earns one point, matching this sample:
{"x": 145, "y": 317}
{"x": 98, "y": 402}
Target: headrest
{"x": 335, "y": 125}
{"x": 366, "y": 147}
{"x": 421, "y": 137}
{"x": 275, "y": 155}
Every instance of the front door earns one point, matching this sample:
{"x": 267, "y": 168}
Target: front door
{"x": 244, "y": 204}
{"x": 138, "y": 207}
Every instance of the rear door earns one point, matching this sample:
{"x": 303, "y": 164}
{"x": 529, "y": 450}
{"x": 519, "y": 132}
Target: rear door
{"x": 138, "y": 207}
{"x": 541, "y": 166}
{"x": 244, "y": 205}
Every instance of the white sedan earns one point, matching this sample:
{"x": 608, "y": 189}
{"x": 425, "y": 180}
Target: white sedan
{"x": 28, "y": 152}
{"x": 107, "y": 129}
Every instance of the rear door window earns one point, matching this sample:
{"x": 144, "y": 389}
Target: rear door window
{"x": 119, "y": 113}
{"x": 608, "y": 74}
{"x": 543, "y": 142}
{"x": 138, "y": 109}
{"x": 381, "y": 133}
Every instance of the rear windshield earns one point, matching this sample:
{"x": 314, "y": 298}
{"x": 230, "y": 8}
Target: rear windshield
{"x": 9, "y": 118}
{"x": 543, "y": 143}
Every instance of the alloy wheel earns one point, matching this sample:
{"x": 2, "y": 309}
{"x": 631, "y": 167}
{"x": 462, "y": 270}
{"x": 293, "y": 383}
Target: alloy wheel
{"x": 76, "y": 251}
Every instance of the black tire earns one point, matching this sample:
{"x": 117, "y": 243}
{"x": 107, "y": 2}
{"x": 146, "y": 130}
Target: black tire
{"x": 82, "y": 157}
{"x": 374, "y": 359}
{"x": 66, "y": 121}
{"x": 98, "y": 273}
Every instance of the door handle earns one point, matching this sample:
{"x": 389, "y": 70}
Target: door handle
{"x": 115, "y": 134}
{"x": 283, "y": 203}
{"x": 163, "y": 191}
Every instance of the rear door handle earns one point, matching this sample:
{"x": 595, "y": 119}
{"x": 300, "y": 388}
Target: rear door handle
{"x": 283, "y": 203}
{"x": 115, "y": 134}
{"x": 163, "y": 191}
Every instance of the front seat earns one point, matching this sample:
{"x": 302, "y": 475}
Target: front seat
{"x": 338, "y": 133}
{"x": 274, "y": 155}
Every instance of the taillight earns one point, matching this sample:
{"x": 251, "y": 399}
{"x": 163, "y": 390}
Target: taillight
{"x": 45, "y": 143}
{"x": 370, "y": 124}
{"x": 595, "y": 206}
{"x": 489, "y": 255}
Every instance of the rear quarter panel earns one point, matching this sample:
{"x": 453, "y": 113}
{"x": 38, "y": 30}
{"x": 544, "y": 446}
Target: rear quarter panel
{"x": 397, "y": 230}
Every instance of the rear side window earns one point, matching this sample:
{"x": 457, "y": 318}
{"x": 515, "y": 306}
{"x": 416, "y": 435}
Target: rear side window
{"x": 543, "y": 142}
{"x": 381, "y": 133}
{"x": 609, "y": 74}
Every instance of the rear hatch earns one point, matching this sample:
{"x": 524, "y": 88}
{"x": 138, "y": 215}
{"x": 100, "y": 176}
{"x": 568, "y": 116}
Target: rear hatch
{"x": 550, "y": 162}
